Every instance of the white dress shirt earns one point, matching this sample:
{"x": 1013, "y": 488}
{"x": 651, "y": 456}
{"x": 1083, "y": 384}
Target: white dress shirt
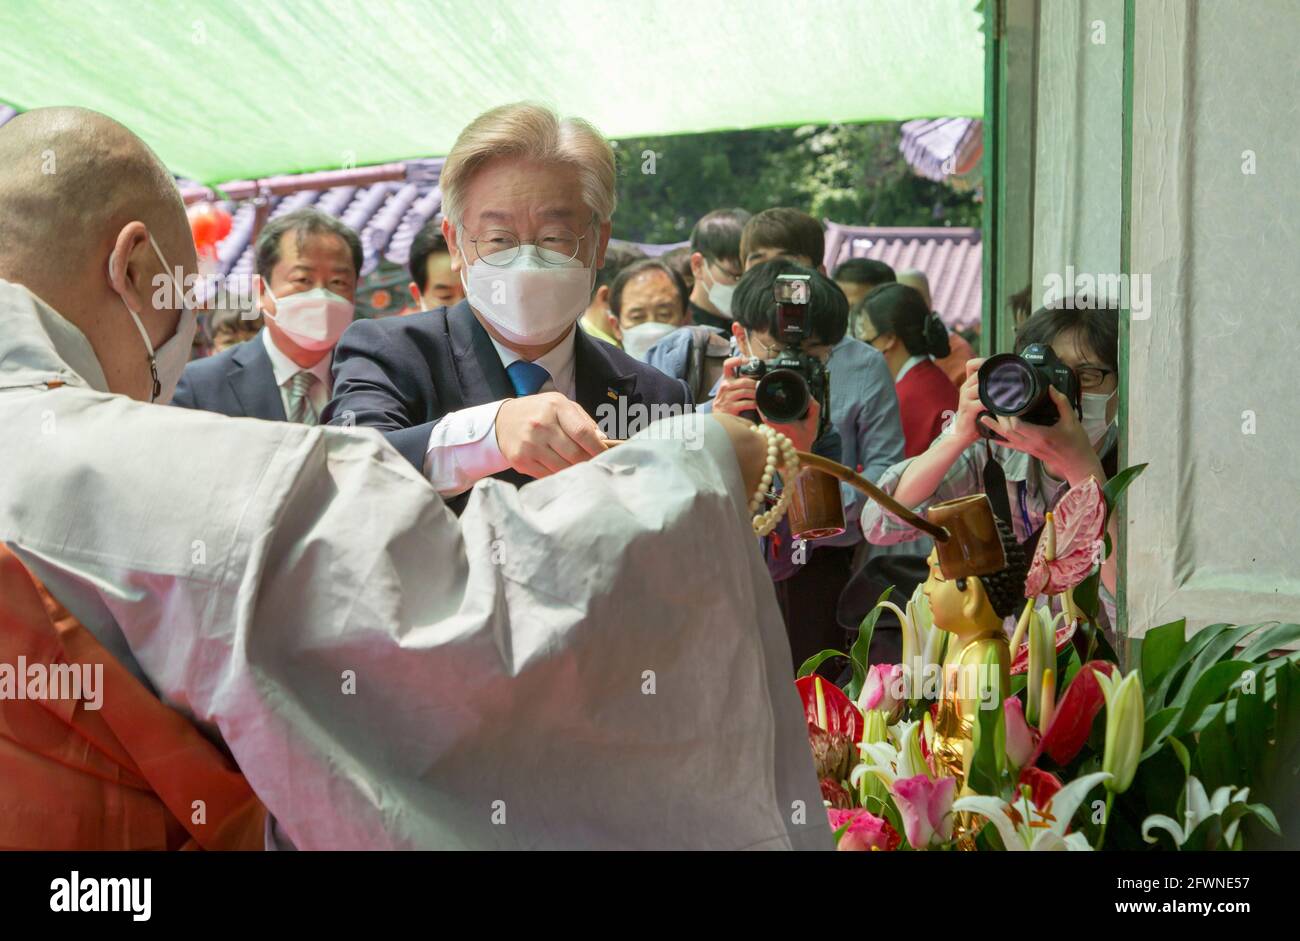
{"x": 285, "y": 369}
{"x": 463, "y": 445}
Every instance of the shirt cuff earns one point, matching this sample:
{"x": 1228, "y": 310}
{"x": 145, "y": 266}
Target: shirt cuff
{"x": 463, "y": 449}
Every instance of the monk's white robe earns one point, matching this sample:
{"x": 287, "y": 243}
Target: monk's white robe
{"x": 595, "y": 661}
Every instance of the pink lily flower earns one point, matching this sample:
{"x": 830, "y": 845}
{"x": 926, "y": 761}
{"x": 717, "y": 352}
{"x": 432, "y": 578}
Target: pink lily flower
{"x": 883, "y": 690}
{"x": 1022, "y": 739}
{"x": 926, "y": 808}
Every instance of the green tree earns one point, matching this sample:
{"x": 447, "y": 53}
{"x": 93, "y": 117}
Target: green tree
{"x": 849, "y": 173}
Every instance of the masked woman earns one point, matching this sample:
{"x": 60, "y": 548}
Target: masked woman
{"x": 897, "y": 322}
{"x": 1038, "y": 463}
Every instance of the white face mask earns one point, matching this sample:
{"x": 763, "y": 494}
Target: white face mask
{"x": 168, "y": 361}
{"x": 1094, "y": 406}
{"x": 720, "y": 294}
{"x": 529, "y": 301}
{"x": 720, "y": 297}
{"x": 638, "y": 340}
{"x": 313, "y": 319}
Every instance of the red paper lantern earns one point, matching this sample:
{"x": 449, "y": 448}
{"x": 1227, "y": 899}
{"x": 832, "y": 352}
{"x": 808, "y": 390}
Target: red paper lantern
{"x": 209, "y": 224}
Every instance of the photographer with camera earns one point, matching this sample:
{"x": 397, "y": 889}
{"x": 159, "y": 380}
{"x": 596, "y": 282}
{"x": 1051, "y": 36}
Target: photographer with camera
{"x": 1052, "y": 405}
{"x": 809, "y": 578}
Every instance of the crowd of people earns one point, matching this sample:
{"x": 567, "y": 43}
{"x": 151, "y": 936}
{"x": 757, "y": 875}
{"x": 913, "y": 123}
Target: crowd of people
{"x": 900, "y": 378}
{"x": 336, "y": 552}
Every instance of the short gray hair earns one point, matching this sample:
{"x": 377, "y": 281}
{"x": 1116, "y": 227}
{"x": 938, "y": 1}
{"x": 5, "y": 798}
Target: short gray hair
{"x": 534, "y": 132}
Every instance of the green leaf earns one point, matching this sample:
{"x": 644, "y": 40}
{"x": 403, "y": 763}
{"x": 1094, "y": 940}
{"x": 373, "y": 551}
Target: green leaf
{"x": 1216, "y": 756}
{"x": 1160, "y": 648}
{"x": 1207, "y": 836}
{"x": 1158, "y": 727}
{"x": 1180, "y": 751}
{"x": 1265, "y": 816}
{"x": 861, "y": 646}
{"x": 1250, "y": 730}
{"x": 812, "y": 663}
{"x": 1158, "y": 699}
{"x": 989, "y": 736}
{"x": 841, "y": 831}
{"x": 1279, "y": 635}
{"x": 1160, "y": 779}
{"x": 1085, "y": 594}
{"x": 1211, "y": 655}
{"x": 1212, "y": 686}
{"x": 1115, "y": 487}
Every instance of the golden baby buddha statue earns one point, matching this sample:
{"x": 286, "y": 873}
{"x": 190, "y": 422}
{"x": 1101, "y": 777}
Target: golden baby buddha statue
{"x": 977, "y": 579}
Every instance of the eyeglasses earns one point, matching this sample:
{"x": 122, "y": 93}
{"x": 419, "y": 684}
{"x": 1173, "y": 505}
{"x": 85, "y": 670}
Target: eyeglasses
{"x": 556, "y": 245}
{"x": 725, "y": 272}
{"x": 1091, "y": 377}
{"x": 761, "y": 350}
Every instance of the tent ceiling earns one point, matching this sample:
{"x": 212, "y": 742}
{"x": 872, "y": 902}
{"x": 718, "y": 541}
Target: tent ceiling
{"x": 238, "y": 90}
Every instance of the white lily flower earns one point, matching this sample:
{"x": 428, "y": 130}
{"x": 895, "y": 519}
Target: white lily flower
{"x": 1199, "y": 809}
{"x": 1045, "y": 827}
{"x": 891, "y": 760}
{"x": 923, "y": 643}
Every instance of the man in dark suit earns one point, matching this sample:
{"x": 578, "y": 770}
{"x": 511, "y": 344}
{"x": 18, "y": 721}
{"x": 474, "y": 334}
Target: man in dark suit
{"x": 307, "y": 268}
{"x": 504, "y": 384}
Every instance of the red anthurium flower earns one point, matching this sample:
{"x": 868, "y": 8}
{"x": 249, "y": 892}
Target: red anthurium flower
{"x": 1043, "y": 785}
{"x": 841, "y": 715}
{"x": 1021, "y": 662}
{"x": 1075, "y": 713}
{"x": 1079, "y": 520}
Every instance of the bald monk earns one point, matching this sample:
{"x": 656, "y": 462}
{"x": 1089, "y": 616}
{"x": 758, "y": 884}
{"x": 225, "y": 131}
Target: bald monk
{"x": 555, "y": 669}
{"x": 954, "y": 364}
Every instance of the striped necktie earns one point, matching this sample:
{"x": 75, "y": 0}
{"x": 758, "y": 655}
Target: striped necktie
{"x": 300, "y": 408}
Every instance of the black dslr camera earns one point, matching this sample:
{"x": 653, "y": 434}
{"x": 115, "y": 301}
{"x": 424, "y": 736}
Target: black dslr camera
{"x": 1016, "y": 386}
{"x": 790, "y": 380}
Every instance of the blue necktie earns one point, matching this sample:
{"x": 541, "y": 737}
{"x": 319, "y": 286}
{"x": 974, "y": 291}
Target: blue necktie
{"x": 526, "y": 377}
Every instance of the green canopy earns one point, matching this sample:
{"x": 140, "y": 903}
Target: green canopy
{"x": 236, "y": 90}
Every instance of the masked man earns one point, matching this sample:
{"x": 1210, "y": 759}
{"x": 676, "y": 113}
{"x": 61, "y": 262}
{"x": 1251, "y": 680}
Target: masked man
{"x": 307, "y": 269}
{"x": 383, "y": 673}
{"x": 504, "y": 384}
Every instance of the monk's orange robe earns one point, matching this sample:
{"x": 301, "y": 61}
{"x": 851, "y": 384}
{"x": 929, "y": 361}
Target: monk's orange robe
{"x": 127, "y": 776}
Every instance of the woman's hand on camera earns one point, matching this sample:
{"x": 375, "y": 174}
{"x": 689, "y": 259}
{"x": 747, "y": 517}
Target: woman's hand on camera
{"x": 969, "y": 406}
{"x": 1063, "y": 448}
{"x": 736, "y": 393}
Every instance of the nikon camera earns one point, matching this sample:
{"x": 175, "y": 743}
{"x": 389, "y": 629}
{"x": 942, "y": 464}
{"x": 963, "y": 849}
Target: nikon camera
{"x": 790, "y": 380}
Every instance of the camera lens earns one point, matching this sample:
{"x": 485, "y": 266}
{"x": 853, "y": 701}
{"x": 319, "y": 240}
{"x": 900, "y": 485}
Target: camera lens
{"x": 782, "y": 395}
{"x": 1008, "y": 385}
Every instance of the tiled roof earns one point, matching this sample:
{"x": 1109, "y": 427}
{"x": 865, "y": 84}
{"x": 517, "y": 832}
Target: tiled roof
{"x": 387, "y": 215}
{"x": 951, "y": 258}
{"x": 946, "y": 150}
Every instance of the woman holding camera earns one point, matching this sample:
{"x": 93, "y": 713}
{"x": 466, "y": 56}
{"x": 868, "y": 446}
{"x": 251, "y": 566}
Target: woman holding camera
{"x": 899, "y": 324}
{"x": 1038, "y": 462}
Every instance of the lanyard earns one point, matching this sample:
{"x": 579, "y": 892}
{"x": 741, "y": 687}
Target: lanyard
{"x": 1022, "y": 491}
